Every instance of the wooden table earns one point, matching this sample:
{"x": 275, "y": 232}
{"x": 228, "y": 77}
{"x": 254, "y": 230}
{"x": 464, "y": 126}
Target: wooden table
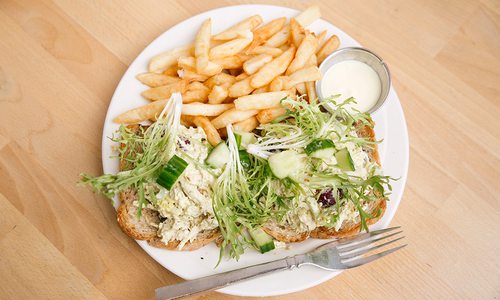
{"x": 61, "y": 60}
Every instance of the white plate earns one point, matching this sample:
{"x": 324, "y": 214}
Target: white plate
{"x": 390, "y": 126}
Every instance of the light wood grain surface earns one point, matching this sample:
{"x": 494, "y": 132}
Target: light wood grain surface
{"x": 61, "y": 60}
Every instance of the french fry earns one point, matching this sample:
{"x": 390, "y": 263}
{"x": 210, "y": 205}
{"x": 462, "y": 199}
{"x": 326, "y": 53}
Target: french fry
{"x": 195, "y": 96}
{"x": 230, "y": 48}
{"x": 234, "y": 31}
{"x": 273, "y": 69}
{"x": 215, "y": 43}
{"x": 171, "y": 71}
{"x": 297, "y": 32}
{"x": 202, "y": 46}
{"x": 223, "y": 132}
{"x": 202, "y": 109}
{"x": 304, "y": 75}
{"x": 142, "y": 113}
{"x": 221, "y": 79}
{"x": 279, "y": 38}
{"x": 301, "y": 88}
{"x": 218, "y": 94}
{"x": 284, "y": 47}
{"x": 241, "y": 76}
{"x": 255, "y": 63}
{"x": 187, "y": 120}
{"x": 247, "y": 125}
{"x": 156, "y": 80}
{"x": 229, "y": 62}
{"x": 305, "y": 19}
{"x": 328, "y": 47}
{"x": 292, "y": 92}
{"x": 312, "y": 61}
{"x": 260, "y": 101}
{"x": 211, "y": 69}
{"x": 311, "y": 85}
{"x": 261, "y": 90}
{"x": 268, "y": 115}
{"x": 164, "y": 60}
{"x": 308, "y": 16}
{"x": 263, "y": 33}
{"x": 196, "y": 86}
{"x": 191, "y": 76}
{"x": 187, "y": 62}
{"x": 321, "y": 37}
{"x": 266, "y": 50}
{"x": 244, "y": 57}
{"x": 164, "y": 92}
{"x": 241, "y": 88}
{"x": 306, "y": 48}
{"x": 311, "y": 90}
{"x": 196, "y": 92}
{"x": 212, "y": 134}
{"x": 232, "y": 116}
{"x": 277, "y": 84}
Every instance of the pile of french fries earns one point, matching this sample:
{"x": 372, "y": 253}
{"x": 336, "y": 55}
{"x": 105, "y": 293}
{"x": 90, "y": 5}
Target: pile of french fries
{"x": 237, "y": 76}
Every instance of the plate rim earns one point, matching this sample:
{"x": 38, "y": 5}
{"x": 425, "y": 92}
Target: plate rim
{"x": 123, "y": 79}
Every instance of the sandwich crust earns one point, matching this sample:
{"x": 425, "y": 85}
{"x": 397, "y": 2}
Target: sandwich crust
{"x": 284, "y": 233}
{"x": 126, "y": 215}
{"x": 204, "y": 238}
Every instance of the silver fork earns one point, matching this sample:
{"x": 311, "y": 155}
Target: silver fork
{"x": 344, "y": 253}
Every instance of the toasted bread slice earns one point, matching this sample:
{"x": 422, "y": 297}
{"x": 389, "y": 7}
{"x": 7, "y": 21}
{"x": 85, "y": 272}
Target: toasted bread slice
{"x": 288, "y": 235}
{"x": 126, "y": 215}
{"x": 284, "y": 233}
{"x": 142, "y": 228}
{"x": 348, "y": 229}
{"x": 204, "y": 238}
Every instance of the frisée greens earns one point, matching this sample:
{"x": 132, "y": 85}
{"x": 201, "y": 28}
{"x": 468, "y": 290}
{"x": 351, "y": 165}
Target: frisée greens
{"x": 144, "y": 153}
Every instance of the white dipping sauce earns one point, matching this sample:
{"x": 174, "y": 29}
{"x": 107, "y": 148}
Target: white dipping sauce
{"x": 352, "y": 78}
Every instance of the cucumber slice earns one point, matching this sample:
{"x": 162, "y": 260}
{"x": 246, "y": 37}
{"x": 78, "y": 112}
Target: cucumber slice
{"x": 219, "y": 156}
{"x": 320, "y": 148}
{"x": 344, "y": 160}
{"x": 263, "y": 240}
{"x": 284, "y": 163}
{"x": 171, "y": 172}
{"x": 243, "y": 139}
{"x": 324, "y": 153}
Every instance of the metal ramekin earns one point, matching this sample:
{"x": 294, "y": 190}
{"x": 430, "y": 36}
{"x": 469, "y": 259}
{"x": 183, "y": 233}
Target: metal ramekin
{"x": 367, "y": 57}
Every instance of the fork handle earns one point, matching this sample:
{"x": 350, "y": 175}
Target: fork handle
{"x": 224, "y": 279}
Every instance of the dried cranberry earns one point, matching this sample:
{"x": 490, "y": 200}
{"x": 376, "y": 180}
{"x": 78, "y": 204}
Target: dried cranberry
{"x": 326, "y": 198}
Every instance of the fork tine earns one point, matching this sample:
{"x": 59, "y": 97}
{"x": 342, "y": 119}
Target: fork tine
{"x": 348, "y": 241}
{"x": 365, "y": 260}
{"x": 365, "y": 249}
{"x": 365, "y": 242}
